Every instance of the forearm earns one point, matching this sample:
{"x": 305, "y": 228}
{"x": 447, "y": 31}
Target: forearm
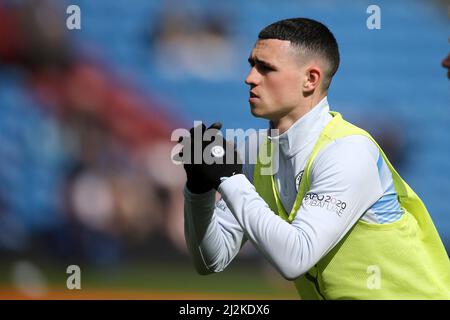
{"x": 284, "y": 245}
{"x": 212, "y": 235}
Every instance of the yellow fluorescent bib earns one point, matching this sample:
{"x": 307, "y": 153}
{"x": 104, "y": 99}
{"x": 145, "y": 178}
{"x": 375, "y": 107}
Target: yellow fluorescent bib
{"x": 404, "y": 259}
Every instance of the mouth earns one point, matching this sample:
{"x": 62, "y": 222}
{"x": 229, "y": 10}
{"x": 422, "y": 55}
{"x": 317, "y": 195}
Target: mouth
{"x": 253, "y": 95}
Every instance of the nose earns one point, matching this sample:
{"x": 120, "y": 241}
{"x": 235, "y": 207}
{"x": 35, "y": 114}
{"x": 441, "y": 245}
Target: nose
{"x": 252, "y": 77}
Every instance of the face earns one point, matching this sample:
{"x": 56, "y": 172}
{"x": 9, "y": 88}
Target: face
{"x": 275, "y": 79}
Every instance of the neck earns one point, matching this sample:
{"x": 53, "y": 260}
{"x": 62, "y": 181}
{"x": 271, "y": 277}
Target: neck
{"x": 287, "y": 120}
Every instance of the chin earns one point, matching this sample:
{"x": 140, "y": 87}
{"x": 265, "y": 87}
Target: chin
{"x": 256, "y": 112}
{"x": 260, "y": 112}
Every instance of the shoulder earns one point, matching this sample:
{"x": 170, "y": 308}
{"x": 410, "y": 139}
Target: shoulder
{"x": 352, "y": 155}
{"x": 351, "y": 146}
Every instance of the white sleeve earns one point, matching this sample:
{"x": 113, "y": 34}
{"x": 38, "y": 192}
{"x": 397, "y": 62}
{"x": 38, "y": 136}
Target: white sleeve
{"x": 212, "y": 234}
{"x": 343, "y": 172}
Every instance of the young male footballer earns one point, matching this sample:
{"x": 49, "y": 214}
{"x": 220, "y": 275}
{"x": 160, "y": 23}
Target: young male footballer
{"x": 335, "y": 217}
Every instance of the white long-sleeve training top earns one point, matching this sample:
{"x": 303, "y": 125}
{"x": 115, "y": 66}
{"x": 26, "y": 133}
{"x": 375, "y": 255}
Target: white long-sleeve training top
{"x": 349, "y": 171}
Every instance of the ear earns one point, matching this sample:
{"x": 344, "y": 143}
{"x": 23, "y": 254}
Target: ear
{"x": 313, "y": 78}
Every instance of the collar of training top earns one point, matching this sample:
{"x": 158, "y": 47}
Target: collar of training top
{"x": 303, "y": 130}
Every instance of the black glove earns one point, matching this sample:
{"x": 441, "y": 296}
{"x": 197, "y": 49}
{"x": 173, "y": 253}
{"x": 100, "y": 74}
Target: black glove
{"x": 215, "y": 158}
{"x": 221, "y": 159}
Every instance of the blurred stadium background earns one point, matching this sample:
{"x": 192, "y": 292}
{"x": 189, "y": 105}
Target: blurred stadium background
{"x": 86, "y": 117}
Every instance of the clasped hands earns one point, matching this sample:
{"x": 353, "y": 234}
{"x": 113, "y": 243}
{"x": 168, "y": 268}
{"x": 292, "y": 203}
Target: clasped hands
{"x": 207, "y": 158}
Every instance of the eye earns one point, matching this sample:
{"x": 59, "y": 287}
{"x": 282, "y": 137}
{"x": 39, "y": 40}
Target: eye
{"x": 264, "y": 68}
{"x": 261, "y": 66}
